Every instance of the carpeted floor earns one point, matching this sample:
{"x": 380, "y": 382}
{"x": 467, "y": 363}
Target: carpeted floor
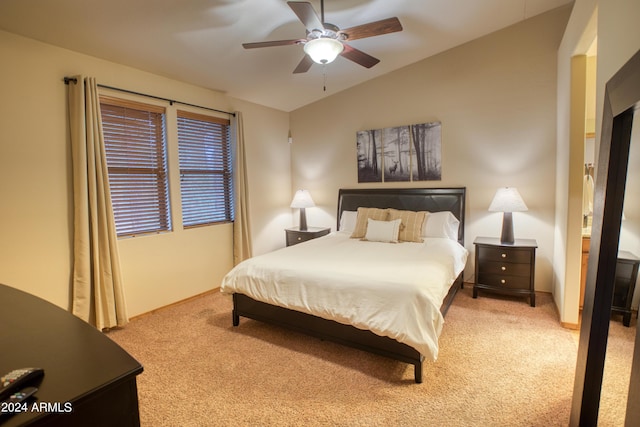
{"x": 501, "y": 363}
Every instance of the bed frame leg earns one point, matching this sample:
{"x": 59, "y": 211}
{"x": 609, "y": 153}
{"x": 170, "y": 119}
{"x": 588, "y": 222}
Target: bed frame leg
{"x": 417, "y": 372}
{"x": 235, "y": 319}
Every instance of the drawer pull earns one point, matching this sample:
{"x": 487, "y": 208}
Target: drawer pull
{"x": 503, "y": 281}
{"x": 299, "y": 238}
{"x": 504, "y": 255}
{"x": 503, "y": 268}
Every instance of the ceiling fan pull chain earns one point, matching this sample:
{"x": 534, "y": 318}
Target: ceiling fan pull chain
{"x": 324, "y": 77}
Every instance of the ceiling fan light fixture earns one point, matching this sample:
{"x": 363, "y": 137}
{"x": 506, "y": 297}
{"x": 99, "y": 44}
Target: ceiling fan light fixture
{"x": 323, "y": 50}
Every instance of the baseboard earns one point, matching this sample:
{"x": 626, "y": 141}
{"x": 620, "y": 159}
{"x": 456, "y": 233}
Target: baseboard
{"x": 173, "y": 304}
{"x": 573, "y": 326}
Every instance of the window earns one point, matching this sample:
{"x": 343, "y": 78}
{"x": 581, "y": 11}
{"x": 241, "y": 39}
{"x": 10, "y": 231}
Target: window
{"x": 135, "y": 144}
{"x": 205, "y": 169}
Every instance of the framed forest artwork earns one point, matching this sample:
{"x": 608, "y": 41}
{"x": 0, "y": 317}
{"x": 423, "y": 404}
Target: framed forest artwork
{"x": 402, "y": 153}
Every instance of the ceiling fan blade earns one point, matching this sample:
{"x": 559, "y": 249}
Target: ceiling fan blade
{"x": 304, "y": 65}
{"x": 358, "y": 56}
{"x": 306, "y": 14}
{"x": 385, "y": 26}
{"x": 272, "y": 43}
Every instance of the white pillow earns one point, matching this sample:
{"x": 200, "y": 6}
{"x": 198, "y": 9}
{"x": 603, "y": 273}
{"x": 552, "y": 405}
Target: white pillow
{"x": 348, "y": 221}
{"x": 383, "y": 231}
{"x": 441, "y": 224}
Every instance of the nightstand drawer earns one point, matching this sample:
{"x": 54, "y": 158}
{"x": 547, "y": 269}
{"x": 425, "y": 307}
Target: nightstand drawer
{"x": 504, "y": 268}
{"x": 504, "y": 255}
{"x": 295, "y": 235}
{"x": 504, "y": 281}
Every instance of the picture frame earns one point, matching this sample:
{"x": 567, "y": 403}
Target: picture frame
{"x": 400, "y": 154}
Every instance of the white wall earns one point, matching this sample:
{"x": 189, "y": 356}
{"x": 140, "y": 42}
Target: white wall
{"x": 579, "y": 34}
{"x": 35, "y": 182}
{"x": 618, "y": 40}
{"x": 614, "y": 22}
{"x": 496, "y": 99}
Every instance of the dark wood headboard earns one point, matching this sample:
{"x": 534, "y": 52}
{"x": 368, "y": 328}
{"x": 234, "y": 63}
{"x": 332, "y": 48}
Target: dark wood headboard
{"x": 414, "y": 199}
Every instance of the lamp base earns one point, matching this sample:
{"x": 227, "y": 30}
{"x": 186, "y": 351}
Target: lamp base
{"x": 303, "y": 220}
{"x": 507, "y": 228}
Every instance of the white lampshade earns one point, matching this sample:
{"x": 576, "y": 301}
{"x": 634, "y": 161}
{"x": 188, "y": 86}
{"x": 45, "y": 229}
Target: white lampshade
{"x": 302, "y": 199}
{"x": 323, "y": 50}
{"x": 507, "y": 199}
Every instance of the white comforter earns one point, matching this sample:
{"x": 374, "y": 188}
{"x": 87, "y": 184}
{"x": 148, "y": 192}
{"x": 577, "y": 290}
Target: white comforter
{"x": 393, "y": 290}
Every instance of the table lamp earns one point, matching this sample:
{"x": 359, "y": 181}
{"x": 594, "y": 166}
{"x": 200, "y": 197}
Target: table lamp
{"x": 507, "y": 200}
{"x": 302, "y": 200}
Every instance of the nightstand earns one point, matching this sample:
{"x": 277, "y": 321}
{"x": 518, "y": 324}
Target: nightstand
{"x": 505, "y": 268}
{"x": 625, "y": 285}
{"x": 295, "y": 235}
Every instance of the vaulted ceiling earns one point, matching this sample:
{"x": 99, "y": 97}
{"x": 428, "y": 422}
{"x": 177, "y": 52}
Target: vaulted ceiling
{"x": 200, "y": 41}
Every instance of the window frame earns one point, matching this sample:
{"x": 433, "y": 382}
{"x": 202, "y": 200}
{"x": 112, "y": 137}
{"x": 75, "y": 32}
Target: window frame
{"x": 133, "y": 163}
{"x": 215, "y": 134}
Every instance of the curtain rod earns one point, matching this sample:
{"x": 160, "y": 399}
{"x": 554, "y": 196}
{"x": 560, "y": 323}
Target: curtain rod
{"x": 170, "y": 101}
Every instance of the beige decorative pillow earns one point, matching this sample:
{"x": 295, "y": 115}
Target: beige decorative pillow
{"x": 382, "y": 231}
{"x": 363, "y": 215}
{"x": 412, "y": 222}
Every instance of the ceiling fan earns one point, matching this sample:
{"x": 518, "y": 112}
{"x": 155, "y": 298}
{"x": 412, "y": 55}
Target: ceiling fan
{"x": 324, "y": 41}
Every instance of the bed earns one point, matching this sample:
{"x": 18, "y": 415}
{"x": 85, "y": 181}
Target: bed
{"x": 321, "y": 287}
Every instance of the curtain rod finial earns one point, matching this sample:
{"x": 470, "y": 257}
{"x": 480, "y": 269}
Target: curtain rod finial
{"x": 70, "y": 79}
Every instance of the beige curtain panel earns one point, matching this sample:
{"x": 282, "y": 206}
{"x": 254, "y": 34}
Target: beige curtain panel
{"x": 98, "y": 295}
{"x": 241, "y": 228}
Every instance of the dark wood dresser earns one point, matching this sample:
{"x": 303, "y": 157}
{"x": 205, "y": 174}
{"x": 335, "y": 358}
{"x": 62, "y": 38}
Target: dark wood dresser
{"x": 505, "y": 268}
{"x": 88, "y": 379}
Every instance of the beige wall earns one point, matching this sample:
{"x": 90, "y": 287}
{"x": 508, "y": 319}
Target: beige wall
{"x": 35, "y": 182}
{"x": 495, "y": 96}
{"x": 496, "y": 99}
{"x": 269, "y": 165}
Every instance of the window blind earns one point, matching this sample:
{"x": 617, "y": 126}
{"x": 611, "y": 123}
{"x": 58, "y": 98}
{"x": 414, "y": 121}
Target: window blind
{"x": 205, "y": 169}
{"x": 135, "y": 145}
